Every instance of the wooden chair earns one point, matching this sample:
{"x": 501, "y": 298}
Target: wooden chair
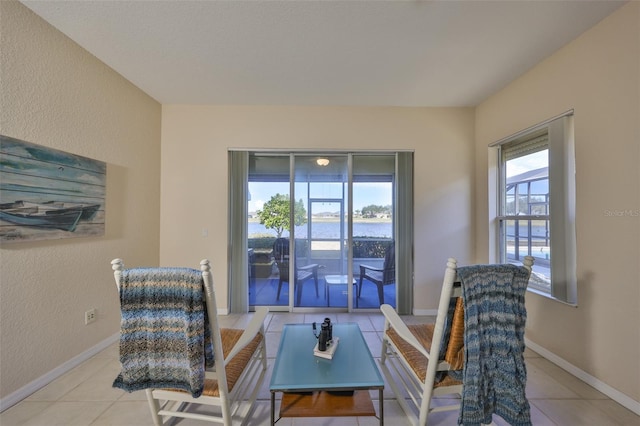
{"x": 239, "y": 356}
{"x": 302, "y": 273}
{"x": 380, "y": 276}
{"x": 426, "y": 360}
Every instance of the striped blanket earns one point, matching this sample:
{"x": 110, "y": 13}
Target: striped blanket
{"x": 163, "y": 328}
{"x": 494, "y": 375}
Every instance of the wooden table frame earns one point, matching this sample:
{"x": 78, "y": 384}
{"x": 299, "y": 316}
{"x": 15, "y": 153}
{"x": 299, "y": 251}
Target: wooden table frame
{"x": 325, "y": 404}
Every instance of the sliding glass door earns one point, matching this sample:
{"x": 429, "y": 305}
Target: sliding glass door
{"x": 321, "y": 231}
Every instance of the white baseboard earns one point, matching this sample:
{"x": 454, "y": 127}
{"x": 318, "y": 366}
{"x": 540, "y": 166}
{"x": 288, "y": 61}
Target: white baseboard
{"x": 612, "y": 393}
{"x": 40, "y": 382}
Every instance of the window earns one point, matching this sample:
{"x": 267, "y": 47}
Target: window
{"x": 536, "y": 205}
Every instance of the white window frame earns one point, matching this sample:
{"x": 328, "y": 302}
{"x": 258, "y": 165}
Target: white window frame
{"x": 562, "y": 202}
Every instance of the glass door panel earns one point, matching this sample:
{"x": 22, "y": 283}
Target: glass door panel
{"x": 268, "y": 220}
{"x": 320, "y": 185}
{"x": 373, "y": 230}
{"x": 328, "y": 246}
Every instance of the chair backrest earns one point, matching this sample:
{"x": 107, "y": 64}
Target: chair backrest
{"x": 448, "y": 337}
{"x": 453, "y": 350}
{"x": 210, "y": 307}
{"x": 281, "y": 249}
{"x": 281, "y": 256}
{"x": 389, "y": 266}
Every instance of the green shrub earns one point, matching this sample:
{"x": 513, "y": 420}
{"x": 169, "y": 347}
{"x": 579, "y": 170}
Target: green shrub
{"x": 363, "y": 247}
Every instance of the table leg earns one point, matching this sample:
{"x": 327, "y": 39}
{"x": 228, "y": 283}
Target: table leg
{"x": 380, "y": 402}
{"x": 327, "y": 293}
{"x": 355, "y": 292}
{"x": 273, "y": 408}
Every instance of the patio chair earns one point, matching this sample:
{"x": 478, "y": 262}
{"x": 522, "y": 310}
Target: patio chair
{"x": 302, "y": 273}
{"x": 173, "y": 348}
{"x": 447, "y": 358}
{"x": 380, "y": 276}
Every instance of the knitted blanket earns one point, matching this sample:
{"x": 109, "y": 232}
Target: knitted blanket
{"x": 163, "y": 328}
{"x": 494, "y": 375}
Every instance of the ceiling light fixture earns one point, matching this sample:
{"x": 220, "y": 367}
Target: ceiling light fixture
{"x": 322, "y": 162}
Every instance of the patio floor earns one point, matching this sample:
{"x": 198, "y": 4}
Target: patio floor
{"x": 264, "y": 290}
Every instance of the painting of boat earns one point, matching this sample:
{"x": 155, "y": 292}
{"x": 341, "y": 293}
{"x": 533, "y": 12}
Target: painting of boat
{"x": 49, "y": 194}
{"x": 48, "y": 215}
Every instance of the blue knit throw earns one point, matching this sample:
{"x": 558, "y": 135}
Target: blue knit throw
{"x": 163, "y": 328}
{"x": 494, "y": 375}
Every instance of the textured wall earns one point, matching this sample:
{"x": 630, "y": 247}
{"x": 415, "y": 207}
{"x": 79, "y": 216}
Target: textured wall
{"x": 54, "y": 93}
{"x": 195, "y": 140}
{"x": 597, "y": 75}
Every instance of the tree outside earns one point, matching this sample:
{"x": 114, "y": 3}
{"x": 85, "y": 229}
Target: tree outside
{"x": 374, "y": 210}
{"x": 275, "y": 214}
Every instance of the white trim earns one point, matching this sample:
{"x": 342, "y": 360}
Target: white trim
{"x": 530, "y": 129}
{"x": 40, "y": 382}
{"x": 612, "y": 393}
{"x": 546, "y": 294}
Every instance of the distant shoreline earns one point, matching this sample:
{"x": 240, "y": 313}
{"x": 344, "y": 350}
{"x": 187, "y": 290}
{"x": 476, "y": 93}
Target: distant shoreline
{"x": 332, "y": 219}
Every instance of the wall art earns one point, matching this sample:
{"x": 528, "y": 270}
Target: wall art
{"x": 49, "y": 194}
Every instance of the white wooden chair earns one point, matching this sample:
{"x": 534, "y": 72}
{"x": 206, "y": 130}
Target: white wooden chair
{"x": 416, "y": 359}
{"x": 232, "y": 384}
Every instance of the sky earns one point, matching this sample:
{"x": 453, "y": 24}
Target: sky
{"x": 525, "y": 163}
{"x": 373, "y": 192}
{"x": 364, "y": 194}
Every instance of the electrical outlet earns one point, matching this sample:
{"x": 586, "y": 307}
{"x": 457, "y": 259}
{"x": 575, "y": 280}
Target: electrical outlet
{"x": 90, "y": 316}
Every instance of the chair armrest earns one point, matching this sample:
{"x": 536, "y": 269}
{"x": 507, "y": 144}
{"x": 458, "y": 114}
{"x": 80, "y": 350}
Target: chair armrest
{"x": 394, "y": 321}
{"x": 308, "y": 267}
{"x": 371, "y": 268}
{"x": 255, "y": 326}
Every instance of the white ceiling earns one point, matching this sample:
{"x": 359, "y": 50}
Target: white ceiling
{"x": 297, "y": 52}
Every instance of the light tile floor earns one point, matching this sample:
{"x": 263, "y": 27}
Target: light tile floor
{"x": 84, "y": 395}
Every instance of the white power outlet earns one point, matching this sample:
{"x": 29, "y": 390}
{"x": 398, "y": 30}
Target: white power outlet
{"x": 90, "y": 316}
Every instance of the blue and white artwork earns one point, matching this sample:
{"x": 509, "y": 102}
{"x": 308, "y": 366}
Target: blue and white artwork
{"x": 48, "y": 194}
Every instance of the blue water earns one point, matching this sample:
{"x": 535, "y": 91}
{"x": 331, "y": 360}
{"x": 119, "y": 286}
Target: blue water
{"x": 331, "y": 230}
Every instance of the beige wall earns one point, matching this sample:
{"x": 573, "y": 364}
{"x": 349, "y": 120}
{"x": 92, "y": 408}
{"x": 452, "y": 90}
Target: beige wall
{"x": 195, "y": 140}
{"x": 597, "y": 75}
{"x": 55, "y": 94}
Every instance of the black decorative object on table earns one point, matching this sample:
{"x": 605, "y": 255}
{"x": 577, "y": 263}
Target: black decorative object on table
{"x": 325, "y": 338}
{"x": 327, "y": 321}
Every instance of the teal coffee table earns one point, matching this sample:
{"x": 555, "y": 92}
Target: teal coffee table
{"x": 318, "y": 387}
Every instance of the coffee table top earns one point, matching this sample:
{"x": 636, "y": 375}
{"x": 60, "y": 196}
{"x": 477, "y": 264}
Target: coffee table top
{"x": 337, "y": 279}
{"x": 297, "y": 369}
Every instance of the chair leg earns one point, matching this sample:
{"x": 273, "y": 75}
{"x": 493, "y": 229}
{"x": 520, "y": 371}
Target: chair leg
{"x": 279, "y": 288}
{"x": 299, "y": 293}
{"x": 360, "y": 288}
{"x": 380, "y": 293}
{"x": 154, "y": 406}
{"x": 316, "y": 281}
